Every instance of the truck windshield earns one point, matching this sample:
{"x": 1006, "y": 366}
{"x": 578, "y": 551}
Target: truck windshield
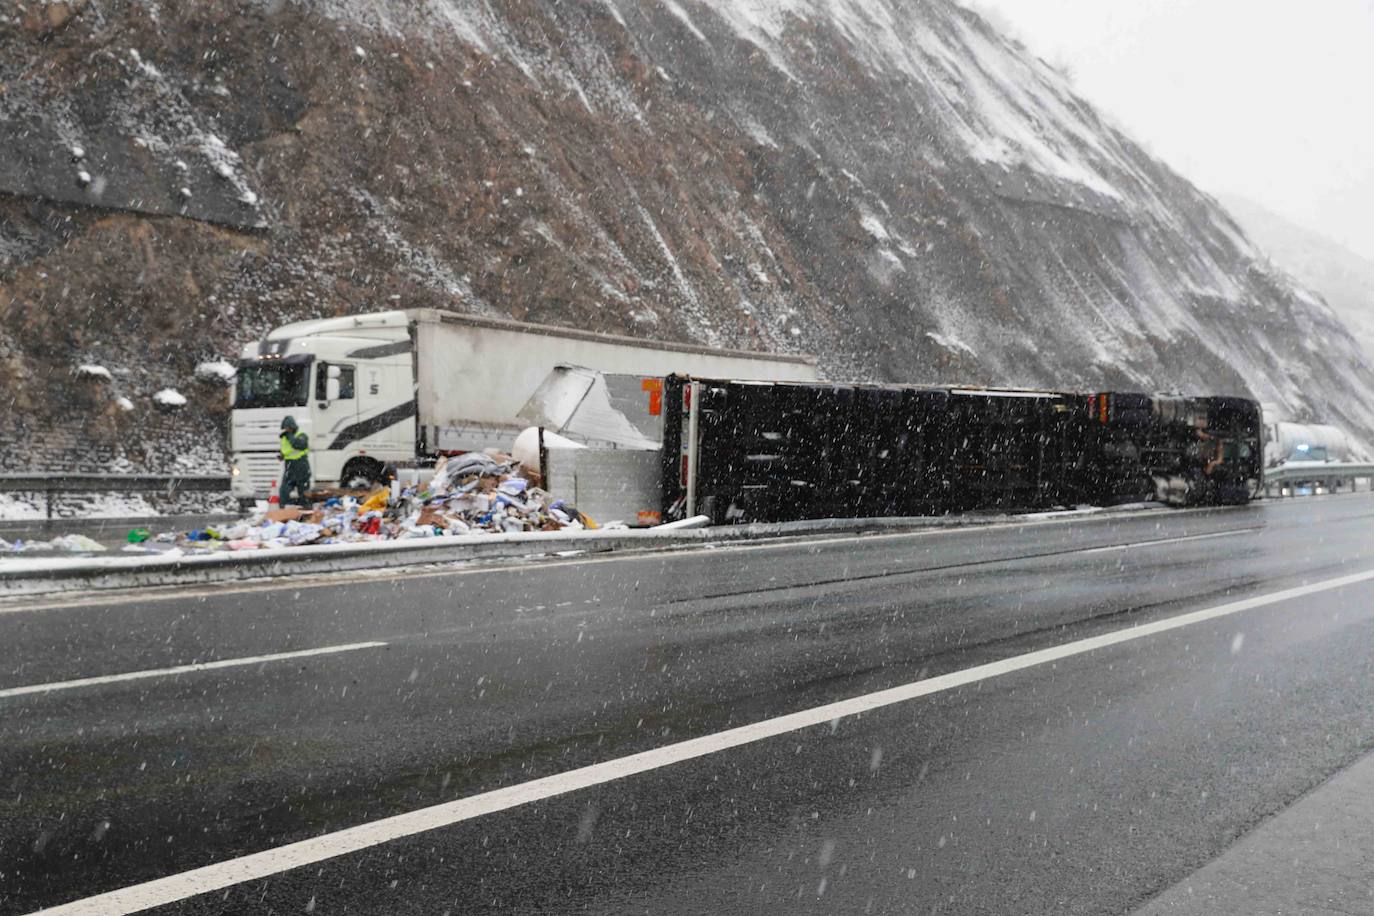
{"x": 277, "y": 385}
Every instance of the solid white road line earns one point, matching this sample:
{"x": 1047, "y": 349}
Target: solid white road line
{"x": 1159, "y": 542}
{"x": 183, "y": 669}
{"x": 307, "y": 852}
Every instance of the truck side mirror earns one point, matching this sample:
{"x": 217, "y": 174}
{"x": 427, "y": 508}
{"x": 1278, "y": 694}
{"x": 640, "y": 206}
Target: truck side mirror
{"x": 331, "y": 387}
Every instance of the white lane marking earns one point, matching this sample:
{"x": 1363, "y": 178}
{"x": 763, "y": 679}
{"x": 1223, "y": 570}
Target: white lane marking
{"x": 260, "y": 865}
{"x": 1160, "y": 541}
{"x": 306, "y": 581}
{"x": 183, "y": 669}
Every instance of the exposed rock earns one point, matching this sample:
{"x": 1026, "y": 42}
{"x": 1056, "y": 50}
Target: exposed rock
{"x": 889, "y": 184}
{"x": 44, "y": 18}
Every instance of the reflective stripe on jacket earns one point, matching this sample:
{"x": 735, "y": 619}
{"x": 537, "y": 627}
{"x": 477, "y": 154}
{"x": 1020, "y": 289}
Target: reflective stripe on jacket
{"x": 289, "y": 451}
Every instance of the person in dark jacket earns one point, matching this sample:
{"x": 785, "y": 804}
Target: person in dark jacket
{"x": 295, "y": 452}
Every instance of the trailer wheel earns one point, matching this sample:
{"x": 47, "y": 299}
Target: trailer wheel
{"x": 361, "y": 473}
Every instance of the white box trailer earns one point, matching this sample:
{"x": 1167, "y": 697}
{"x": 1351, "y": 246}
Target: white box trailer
{"x": 396, "y": 389}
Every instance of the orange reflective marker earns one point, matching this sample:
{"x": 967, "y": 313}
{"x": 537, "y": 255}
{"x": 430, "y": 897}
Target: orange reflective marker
{"x": 655, "y": 388}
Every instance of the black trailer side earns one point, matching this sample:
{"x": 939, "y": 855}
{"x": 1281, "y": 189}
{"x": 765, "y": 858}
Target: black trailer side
{"x": 780, "y": 451}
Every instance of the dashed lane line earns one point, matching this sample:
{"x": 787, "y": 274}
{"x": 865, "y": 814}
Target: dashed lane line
{"x": 183, "y": 669}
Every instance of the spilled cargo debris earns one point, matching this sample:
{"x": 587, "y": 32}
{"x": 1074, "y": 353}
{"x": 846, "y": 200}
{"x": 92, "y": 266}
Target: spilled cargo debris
{"x": 469, "y": 494}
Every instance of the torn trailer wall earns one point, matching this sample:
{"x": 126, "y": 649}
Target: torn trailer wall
{"x": 474, "y": 374}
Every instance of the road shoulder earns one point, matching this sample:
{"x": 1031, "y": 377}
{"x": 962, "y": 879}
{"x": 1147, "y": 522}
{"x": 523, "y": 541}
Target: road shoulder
{"x": 1315, "y": 857}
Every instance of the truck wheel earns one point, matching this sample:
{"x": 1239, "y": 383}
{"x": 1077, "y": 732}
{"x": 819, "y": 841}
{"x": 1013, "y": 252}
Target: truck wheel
{"x": 361, "y": 473}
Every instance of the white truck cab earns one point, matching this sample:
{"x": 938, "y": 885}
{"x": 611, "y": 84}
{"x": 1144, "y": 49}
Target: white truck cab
{"x": 347, "y": 382}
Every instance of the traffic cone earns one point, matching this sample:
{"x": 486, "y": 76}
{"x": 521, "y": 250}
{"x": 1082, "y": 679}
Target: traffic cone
{"x": 275, "y": 498}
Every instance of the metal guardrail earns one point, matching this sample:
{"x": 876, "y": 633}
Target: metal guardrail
{"x": 53, "y": 485}
{"x": 1317, "y": 472}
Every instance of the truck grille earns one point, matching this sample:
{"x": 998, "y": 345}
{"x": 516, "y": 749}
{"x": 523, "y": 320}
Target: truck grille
{"x": 260, "y": 470}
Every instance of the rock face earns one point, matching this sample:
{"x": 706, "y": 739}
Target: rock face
{"x": 889, "y": 184}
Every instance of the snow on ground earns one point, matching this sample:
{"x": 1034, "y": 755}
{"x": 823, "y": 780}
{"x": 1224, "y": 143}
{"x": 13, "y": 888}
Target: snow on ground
{"x": 24, "y": 507}
{"x": 757, "y": 131}
{"x": 73, "y": 507}
{"x": 686, "y": 20}
{"x": 170, "y": 397}
{"x": 874, "y": 226}
{"x": 144, "y": 65}
{"x": 1006, "y": 108}
{"x": 90, "y": 370}
{"x": 118, "y": 505}
{"x": 951, "y": 343}
{"x": 423, "y": 263}
{"x": 216, "y": 370}
{"x": 1054, "y": 138}
{"x": 697, "y": 313}
{"x": 21, "y": 507}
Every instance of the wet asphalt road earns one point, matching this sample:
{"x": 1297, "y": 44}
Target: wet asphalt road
{"x": 1084, "y": 786}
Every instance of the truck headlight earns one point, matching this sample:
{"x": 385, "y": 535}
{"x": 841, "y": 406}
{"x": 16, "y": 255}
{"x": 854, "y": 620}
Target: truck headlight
{"x": 233, "y": 470}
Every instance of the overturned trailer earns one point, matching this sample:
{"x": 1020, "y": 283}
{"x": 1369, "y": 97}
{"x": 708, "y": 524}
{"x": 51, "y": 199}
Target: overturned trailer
{"x": 744, "y": 451}
{"x": 739, "y": 451}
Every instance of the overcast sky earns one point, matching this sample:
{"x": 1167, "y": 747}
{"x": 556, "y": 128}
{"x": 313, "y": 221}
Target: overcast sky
{"x": 1270, "y": 99}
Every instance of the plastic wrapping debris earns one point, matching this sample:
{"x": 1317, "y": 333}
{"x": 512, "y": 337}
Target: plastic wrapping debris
{"x": 451, "y": 473}
{"x": 298, "y": 533}
{"x": 71, "y": 543}
{"x": 138, "y": 535}
{"x": 565, "y": 510}
{"x": 376, "y": 501}
{"x": 76, "y": 543}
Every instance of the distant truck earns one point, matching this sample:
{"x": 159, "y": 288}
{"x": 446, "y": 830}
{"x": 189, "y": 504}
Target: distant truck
{"x": 1286, "y": 442}
{"x": 398, "y": 389}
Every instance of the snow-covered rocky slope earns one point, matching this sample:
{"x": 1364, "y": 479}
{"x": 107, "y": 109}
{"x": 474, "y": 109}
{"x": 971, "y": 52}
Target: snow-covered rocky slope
{"x": 887, "y": 183}
{"x": 1342, "y": 277}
